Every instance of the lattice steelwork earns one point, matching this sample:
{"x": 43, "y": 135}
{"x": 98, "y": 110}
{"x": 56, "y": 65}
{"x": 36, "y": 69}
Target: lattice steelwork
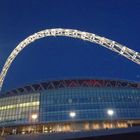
{"x": 112, "y": 45}
{"x": 64, "y": 84}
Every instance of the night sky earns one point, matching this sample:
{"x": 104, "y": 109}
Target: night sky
{"x": 56, "y": 58}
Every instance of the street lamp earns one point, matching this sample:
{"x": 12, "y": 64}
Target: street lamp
{"x": 72, "y": 115}
{"x": 34, "y": 118}
{"x": 110, "y": 113}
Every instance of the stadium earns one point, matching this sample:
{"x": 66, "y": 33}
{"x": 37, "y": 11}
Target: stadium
{"x": 70, "y": 105}
{"x": 70, "y": 108}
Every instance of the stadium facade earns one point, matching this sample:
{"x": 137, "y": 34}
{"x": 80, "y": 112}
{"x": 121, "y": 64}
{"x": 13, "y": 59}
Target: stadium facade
{"x": 70, "y": 106}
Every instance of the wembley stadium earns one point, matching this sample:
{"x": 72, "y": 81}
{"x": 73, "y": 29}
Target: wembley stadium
{"x": 70, "y": 106}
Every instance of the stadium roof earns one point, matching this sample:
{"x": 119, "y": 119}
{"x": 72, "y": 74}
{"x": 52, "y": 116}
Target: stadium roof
{"x": 57, "y": 84}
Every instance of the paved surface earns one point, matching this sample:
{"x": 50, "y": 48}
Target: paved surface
{"x": 114, "y": 134}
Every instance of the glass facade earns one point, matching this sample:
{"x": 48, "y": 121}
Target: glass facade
{"x": 65, "y": 104}
{"x": 18, "y": 109}
{"x": 89, "y": 103}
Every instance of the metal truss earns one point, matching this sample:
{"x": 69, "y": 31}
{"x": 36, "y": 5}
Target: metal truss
{"x": 79, "y": 83}
{"x": 109, "y": 44}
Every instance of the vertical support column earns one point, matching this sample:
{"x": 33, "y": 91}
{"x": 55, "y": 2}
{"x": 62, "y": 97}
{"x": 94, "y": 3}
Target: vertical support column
{"x": 3, "y": 130}
{"x": 43, "y": 128}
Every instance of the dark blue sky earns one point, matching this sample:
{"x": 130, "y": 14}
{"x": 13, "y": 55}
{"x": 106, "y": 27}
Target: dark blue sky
{"x": 61, "y": 57}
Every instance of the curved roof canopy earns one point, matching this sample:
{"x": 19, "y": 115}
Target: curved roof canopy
{"x": 72, "y": 84}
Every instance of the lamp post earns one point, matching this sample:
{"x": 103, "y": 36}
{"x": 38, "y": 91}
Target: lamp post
{"x": 72, "y": 115}
{"x": 34, "y": 118}
{"x": 110, "y": 113}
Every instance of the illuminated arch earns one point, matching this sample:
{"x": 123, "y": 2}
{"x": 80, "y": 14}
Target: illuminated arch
{"x": 112, "y": 45}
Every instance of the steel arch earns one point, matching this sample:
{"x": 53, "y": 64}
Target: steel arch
{"x": 112, "y": 45}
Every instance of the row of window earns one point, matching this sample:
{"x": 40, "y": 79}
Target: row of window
{"x": 19, "y": 99}
{"x": 102, "y": 105}
{"x": 18, "y": 111}
{"x": 83, "y": 95}
{"x": 13, "y": 109}
{"x": 90, "y": 115}
{"x": 20, "y": 105}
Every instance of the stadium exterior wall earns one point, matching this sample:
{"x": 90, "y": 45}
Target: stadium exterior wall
{"x": 70, "y": 105}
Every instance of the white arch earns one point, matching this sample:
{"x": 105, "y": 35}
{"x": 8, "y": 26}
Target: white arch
{"x": 112, "y": 45}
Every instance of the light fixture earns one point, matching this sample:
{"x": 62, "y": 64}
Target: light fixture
{"x": 34, "y": 116}
{"x": 72, "y": 114}
{"x": 110, "y": 112}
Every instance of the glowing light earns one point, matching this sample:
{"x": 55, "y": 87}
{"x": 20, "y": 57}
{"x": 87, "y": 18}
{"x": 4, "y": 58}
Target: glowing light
{"x": 34, "y": 116}
{"x": 72, "y": 114}
{"x": 110, "y": 112}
